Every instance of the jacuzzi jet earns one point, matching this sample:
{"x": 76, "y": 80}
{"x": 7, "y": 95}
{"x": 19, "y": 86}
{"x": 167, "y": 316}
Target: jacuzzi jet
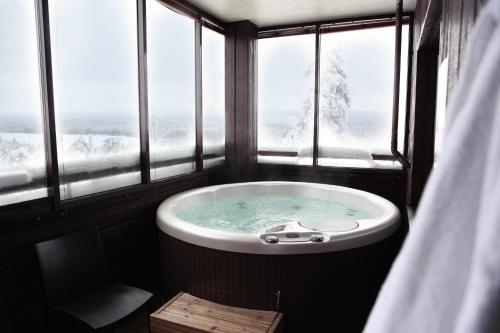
{"x": 271, "y": 239}
{"x": 316, "y": 238}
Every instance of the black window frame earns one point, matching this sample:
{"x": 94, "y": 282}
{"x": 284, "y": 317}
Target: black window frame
{"x": 53, "y": 200}
{"x": 318, "y": 28}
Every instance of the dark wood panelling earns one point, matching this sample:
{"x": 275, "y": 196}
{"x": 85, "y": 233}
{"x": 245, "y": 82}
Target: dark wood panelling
{"x": 422, "y": 118}
{"x": 327, "y": 292}
{"x": 241, "y": 115}
{"x": 230, "y": 100}
{"x": 127, "y": 225}
{"x": 390, "y": 184}
{"x": 453, "y": 19}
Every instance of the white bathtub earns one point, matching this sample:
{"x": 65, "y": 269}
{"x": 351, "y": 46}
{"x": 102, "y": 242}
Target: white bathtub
{"x": 385, "y": 220}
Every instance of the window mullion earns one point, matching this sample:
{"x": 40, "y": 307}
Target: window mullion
{"x": 47, "y": 93}
{"x": 317, "y": 65}
{"x": 199, "y": 97}
{"x": 143, "y": 96}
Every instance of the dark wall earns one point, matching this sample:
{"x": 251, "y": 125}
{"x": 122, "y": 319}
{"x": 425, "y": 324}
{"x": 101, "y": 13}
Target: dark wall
{"x": 241, "y": 112}
{"x": 126, "y": 220}
{"x": 390, "y": 184}
{"x": 457, "y": 20}
{"x": 441, "y": 30}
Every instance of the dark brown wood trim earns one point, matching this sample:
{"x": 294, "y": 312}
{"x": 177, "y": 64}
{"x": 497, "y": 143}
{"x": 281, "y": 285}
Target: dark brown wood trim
{"x": 278, "y": 153}
{"x": 118, "y": 195}
{"x": 317, "y": 69}
{"x": 409, "y": 84}
{"x": 230, "y": 102}
{"x": 241, "y": 115}
{"x": 143, "y": 91}
{"x": 198, "y": 96}
{"x": 334, "y": 170}
{"x": 138, "y": 191}
{"x": 379, "y": 157}
{"x": 397, "y": 86}
{"x": 38, "y": 204}
{"x": 362, "y": 26}
{"x": 185, "y": 8}
{"x": 421, "y": 142}
{"x": 330, "y": 25}
{"x": 213, "y": 26}
{"x": 47, "y": 93}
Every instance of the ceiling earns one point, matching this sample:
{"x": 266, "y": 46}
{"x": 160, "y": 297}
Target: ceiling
{"x": 266, "y": 13}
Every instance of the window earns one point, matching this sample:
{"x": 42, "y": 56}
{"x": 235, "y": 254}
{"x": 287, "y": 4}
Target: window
{"x": 213, "y": 97}
{"x": 95, "y": 74}
{"x": 356, "y": 96}
{"x": 95, "y": 81}
{"x": 356, "y": 75}
{"x": 171, "y": 91}
{"x": 285, "y": 98}
{"x": 22, "y": 153}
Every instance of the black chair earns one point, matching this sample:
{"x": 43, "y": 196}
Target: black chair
{"x": 75, "y": 277}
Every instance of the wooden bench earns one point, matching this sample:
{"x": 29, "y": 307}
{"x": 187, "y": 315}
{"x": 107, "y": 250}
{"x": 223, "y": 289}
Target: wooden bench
{"x": 188, "y": 314}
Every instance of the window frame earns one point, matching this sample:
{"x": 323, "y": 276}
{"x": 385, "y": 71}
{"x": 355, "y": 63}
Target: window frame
{"x": 318, "y": 28}
{"x": 53, "y": 201}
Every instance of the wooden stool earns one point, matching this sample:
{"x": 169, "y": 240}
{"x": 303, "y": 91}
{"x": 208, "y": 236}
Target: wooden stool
{"x": 188, "y": 314}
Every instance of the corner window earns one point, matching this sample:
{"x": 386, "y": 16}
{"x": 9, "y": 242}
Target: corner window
{"x": 22, "y": 152}
{"x": 355, "y": 97}
{"x": 171, "y": 91}
{"x": 95, "y": 74}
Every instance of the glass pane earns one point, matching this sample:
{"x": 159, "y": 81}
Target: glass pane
{"x": 171, "y": 91}
{"x": 356, "y": 89}
{"x": 213, "y": 97}
{"x": 22, "y": 153}
{"x": 403, "y": 88}
{"x": 94, "y": 53}
{"x": 286, "y": 99}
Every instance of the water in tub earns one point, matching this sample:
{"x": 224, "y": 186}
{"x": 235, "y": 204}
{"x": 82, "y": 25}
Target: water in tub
{"x": 256, "y": 214}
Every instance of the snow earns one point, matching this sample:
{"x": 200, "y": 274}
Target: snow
{"x": 15, "y": 178}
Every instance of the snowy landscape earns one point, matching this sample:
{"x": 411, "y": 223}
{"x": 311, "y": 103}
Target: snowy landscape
{"x": 87, "y": 144}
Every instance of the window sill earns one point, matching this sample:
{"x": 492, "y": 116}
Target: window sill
{"x": 330, "y": 162}
{"x": 107, "y": 197}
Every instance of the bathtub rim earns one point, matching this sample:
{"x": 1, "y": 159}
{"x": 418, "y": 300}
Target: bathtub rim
{"x": 370, "y": 230}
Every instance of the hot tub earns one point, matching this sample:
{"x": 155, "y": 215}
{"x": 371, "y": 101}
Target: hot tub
{"x": 357, "y": 218}
{"x": 313, "y": 251}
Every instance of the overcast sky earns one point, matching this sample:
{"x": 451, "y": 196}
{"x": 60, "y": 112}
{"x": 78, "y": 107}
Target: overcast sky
{"x": 94, "y": 51}
{"x": 94, "y": 45}
{"x": 19, "y": 87}
{"x": 367, "y": 59}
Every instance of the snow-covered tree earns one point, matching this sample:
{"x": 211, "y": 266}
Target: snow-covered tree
{"x": 84, "y": 146}
{"x": 334, "y": 100}
{"x": 14, "y": 152}
{"x": 112, "y": 145}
